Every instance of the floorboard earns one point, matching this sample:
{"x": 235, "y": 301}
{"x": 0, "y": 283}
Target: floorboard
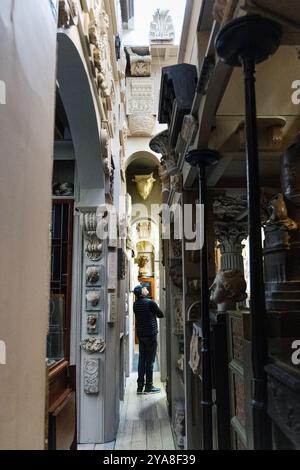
{"x": 144, "y": 422}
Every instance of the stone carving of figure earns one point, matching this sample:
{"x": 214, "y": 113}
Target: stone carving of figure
{"x": 92, "y": 324}
{"x": 228, "y": 288}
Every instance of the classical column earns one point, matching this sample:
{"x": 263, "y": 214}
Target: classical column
{"x": 230, "y": 232}
{"x": 242, "y": 43}
{"x": 230, "y": 237}
{"x": 202, "y": 159}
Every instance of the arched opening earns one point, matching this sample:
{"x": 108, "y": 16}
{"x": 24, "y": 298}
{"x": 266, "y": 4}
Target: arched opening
{"x": 75, "y": 89}
{"x": 144, "y": 188}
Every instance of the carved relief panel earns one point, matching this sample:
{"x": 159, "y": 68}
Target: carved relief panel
{"x": 91, "y": 372}
{"x": 94, "y": 299}
{"x": 140, "y": 96}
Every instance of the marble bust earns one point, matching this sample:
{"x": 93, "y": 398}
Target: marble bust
{"x": 228, "y": 288}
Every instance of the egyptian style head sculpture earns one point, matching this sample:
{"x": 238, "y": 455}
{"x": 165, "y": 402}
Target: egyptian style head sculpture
{"x": 228, "y": 288}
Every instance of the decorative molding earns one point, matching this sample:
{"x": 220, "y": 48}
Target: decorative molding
{"x": 100, "y": 51}
{"x": 67, "y": 13}
{"x": 91, "y": 372}
{"x": 228, "y": 208}
{"x": 162, "y": 27}
{"x": 112, "y": 308}
{"x": 141, "y": 125}
{"x": 93, "y": 246}
{"x": 194, "y": 311}
{"x": 140, "y": 98}
{"x": 112, "y": 270}
{"x": 93, "y": 345}
{"x": 179, "y": 320}
{"x": 229, "y": 231}
{"x": 122, "y": 264}
{"x": 284, "y": 402}
{"x": 160, "y": 144}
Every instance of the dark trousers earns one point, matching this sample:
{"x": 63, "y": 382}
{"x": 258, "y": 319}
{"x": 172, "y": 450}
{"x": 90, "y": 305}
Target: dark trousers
{"x": 147, "y": 355}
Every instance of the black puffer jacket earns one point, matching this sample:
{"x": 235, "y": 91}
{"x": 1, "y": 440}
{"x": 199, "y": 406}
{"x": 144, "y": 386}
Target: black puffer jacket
{"x": 146, "y": 312}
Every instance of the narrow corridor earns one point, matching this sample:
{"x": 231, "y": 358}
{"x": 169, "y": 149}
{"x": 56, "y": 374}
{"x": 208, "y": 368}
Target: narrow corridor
{"x": 144, "y": 422}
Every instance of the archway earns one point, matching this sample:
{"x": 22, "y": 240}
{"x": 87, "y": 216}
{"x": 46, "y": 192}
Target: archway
{"x": 75, "y": 89}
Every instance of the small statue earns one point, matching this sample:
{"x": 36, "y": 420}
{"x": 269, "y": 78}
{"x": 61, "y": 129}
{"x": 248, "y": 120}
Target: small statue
{"x": 228, "y": 288}
{"x": 279, "y": 225}
{"x": 279, "y": 215}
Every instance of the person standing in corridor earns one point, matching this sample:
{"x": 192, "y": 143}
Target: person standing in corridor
{"x": 146, "y": 313}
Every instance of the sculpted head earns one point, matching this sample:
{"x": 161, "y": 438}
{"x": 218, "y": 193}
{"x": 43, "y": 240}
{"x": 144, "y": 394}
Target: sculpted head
{"x": 228, "y": 285}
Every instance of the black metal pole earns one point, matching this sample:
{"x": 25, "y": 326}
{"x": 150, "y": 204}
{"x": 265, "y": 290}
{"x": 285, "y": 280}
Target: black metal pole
{"x": 261, "y": 421}
{"x": 206, "y": 402}
{"x": 244, "y": 42}
{"x": 202, "y": 159}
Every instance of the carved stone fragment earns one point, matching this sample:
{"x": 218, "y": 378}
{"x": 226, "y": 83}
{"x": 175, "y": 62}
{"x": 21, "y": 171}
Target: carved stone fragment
{"x": 179, "y": 321}
{"x": 91, "y": 371}
{"x": 92, "y": 324}
{"x": 93, "y": 275}
{"x": 93, "y": 299}
{"x": 161, "y": 27}
{"x": 93, "y": 345}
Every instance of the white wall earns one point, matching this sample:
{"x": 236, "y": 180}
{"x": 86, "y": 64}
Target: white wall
{"x": 27, "y": 65}
{"x": 143, "y": 17}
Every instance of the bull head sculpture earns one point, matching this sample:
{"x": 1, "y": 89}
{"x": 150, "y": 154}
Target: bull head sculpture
{"x": 144, "y": 185}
